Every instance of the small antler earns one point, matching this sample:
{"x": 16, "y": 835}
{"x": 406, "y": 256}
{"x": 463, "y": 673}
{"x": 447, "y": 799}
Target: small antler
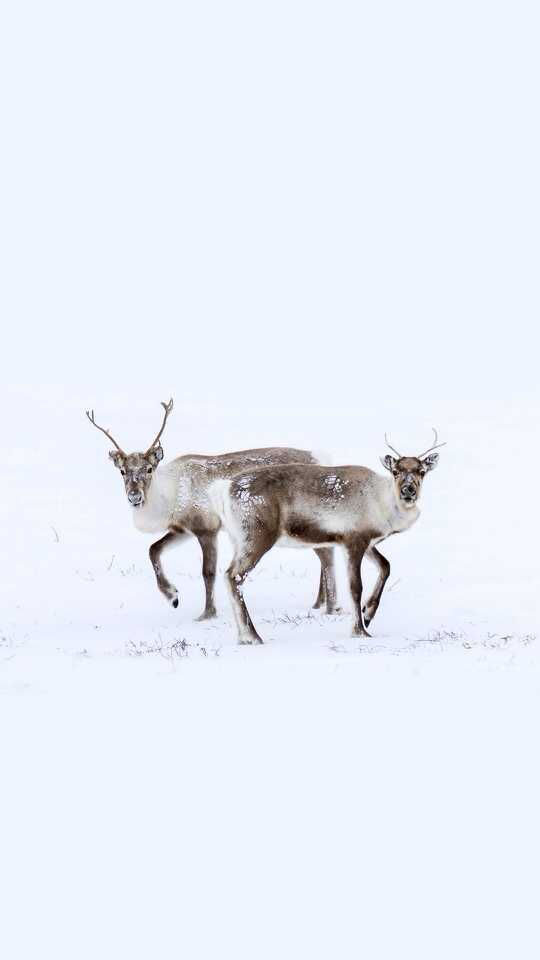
{"x": 389, "y": 445}
{"x": 435, "y": 445}
{"x": 90, "y": 415}
{"x": 167, "y": 408}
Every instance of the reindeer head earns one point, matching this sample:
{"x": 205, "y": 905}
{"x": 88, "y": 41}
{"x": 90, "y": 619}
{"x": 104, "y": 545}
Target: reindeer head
{"x": 409, "y": 472}
{"x": 136, "y": 468}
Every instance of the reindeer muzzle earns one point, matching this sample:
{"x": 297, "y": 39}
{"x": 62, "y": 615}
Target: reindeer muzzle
{"x": 408, "y": 491}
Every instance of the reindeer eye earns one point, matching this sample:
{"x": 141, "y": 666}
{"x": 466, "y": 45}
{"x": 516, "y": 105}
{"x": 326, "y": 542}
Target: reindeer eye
{"x": 149, "y": 469}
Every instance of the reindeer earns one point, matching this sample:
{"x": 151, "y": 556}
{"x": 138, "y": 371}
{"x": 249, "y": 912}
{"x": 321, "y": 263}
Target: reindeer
{"x": 311, "y": 505}
{"x": 173, "y": 500}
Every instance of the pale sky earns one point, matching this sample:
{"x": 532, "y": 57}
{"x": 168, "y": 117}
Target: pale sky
{"x": 292, "y": 206}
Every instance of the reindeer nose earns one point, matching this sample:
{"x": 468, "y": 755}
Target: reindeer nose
{"x": 408, "y": 490}
{"x": 135, "y": 497}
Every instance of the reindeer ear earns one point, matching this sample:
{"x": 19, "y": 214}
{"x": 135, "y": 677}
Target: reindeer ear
{"x": 431, "y": 462}
{"x": 116, "y": 458}
{"x": 388, "y": 462}
{"x": 155, "y": 455}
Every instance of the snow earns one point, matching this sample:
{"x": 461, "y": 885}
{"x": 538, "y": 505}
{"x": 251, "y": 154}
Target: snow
{"x": 166, "y": 789}
{"x": 310, "y": 226}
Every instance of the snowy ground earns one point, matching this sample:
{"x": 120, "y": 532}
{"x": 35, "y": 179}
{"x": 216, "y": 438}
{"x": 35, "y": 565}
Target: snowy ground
{"x": 166, "y": 790}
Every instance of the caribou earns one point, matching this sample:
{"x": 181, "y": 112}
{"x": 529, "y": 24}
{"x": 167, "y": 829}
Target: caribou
{"x": 173, "y": 499}
{"x": 312, "y": 505}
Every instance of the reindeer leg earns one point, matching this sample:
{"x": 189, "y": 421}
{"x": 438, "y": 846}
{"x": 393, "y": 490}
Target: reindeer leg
{"x": 209, "y": 552}
{"x": 327, "y": 587}
{"x": 355, "y": 552}
{"x": 370, "y": 608}
{"x": 321, "y": 596}
{"x": 168, "y": 589}
{"x": 244, "y": 561}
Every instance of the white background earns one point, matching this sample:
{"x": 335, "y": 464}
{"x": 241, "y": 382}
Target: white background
{"x": 310, "y": 224}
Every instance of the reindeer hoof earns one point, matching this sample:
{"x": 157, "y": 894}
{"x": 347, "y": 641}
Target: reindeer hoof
{"x": 206, "y": 615}
{"x": 249, "y": 640}
{"x": 367, "y": 617}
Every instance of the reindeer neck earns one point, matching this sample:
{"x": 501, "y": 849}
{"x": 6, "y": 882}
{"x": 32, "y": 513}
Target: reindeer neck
{"x": 155, "y": 515}
{"x": 399, "y": 517}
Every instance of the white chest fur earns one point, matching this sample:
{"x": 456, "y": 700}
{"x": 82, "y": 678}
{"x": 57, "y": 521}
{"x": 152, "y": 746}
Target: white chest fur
{"x": 154, "y": 516}
{"x": 403, "y": 518}
{"x": 394, "y": 516}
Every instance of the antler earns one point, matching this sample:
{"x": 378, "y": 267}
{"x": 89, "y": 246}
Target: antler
{"x": 391, "y": 447}
{"x": 90, "y": 415}
{"x": 167, "y": 407}
{"x": 435, "y": 445}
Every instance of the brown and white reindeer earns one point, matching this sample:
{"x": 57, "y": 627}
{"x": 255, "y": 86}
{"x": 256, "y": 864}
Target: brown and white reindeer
{"x": 311, "y": 505}
{"x": 173, "y": 500}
